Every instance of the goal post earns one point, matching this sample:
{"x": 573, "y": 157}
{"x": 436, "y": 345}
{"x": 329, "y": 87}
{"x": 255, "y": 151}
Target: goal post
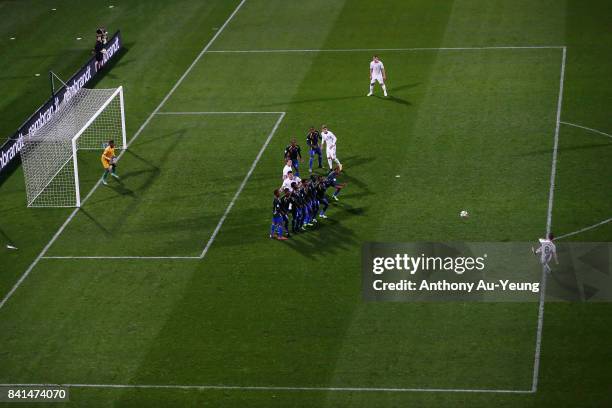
{"x": 75, "y": 164}
{"x": 87, "y": 121}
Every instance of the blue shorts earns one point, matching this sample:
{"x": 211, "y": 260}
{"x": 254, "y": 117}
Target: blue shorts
{"x": 314, "y": 150}
{"x": 277, "y": 219}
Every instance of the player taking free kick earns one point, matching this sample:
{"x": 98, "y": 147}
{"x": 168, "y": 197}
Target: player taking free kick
{"x": 377, "y": 74}
{"x": 108, "y": 162}
{"x": 547, "y": 251}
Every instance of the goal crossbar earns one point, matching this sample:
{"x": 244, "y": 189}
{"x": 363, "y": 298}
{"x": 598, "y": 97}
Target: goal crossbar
{"x": 118, "y": 91}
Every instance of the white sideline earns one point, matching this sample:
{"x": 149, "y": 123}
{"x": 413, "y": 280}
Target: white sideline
{"x": 140, "y": 129}
{"x": 587, "y": 128}
{"x": 551, "y": 194}
{"x": 265, "y": 388}
{"x": 590, "y": 227}
{"x": 518, "y": 47}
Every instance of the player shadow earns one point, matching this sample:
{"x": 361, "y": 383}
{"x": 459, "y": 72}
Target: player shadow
{"x": 362, "y": 191}
{"x": 94, "y": 221}
{"x": 395, "y": 99}
{"x": 356, "y": 211}
{"x": 352, "y": 162}
{"x": 406, "y": 86}
{"x": 300, "y": 101}
{"x": 134, "y": 173}
{"x": 121, "y": 189}
{"x": 329, "y": 237}
{"x": 356, "y": 195}
{"x": 118, "y": 186}
{"x": 341, "y": 98}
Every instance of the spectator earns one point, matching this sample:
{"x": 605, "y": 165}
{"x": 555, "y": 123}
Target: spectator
{"x": 99, "y": 52}
{"x": 102, "y": 35}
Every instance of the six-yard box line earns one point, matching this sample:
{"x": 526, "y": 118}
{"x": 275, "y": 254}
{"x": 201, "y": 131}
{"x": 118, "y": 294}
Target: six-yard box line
{"x": 165, "y": 99}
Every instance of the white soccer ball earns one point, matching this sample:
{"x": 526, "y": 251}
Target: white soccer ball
{"x": 464, "y": 214}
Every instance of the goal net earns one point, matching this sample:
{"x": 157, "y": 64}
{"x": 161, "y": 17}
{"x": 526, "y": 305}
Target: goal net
{"x": 87, "y": 121}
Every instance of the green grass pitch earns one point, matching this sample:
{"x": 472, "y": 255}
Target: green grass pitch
{"x": 469, "y": 125}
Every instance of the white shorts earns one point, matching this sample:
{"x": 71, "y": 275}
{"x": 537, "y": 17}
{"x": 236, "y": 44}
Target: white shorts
{"x": 377, "y": 78}
{"x": 331, "y": 152}
{"x": 545, "y": 258}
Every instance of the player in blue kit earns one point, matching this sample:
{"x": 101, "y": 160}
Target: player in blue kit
{"x": 304, "y": 214}
{"x": 277, "y": 217}
{"x": 331, "y": 181}
{"x": 306, "y": 194}
{"x": 303, "y": 200}
{"x": 313, "y": 139}
{"x": 287, "y": 206}
{"x": 302, "y": 211}
{"x": 313, "y": 197}
{"x": 294, "y": 153}
{"x": 322, "y": 201}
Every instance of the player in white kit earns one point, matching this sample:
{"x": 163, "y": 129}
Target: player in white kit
{"x": 377, "y": 74}
{"x": 547, "y": 251}
{"x": 287, "y": 182}
{"x": 287, "y": 169}
{"x": 329, "y": 139}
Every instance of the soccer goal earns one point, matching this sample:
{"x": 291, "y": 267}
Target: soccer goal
{"x": 87, "y": 121}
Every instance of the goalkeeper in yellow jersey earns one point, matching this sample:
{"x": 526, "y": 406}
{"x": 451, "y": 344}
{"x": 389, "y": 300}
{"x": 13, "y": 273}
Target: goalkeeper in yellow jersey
{"x": 108, "y": 162}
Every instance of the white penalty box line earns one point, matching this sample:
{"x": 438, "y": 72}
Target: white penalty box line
{"x": 229, "y": 207}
